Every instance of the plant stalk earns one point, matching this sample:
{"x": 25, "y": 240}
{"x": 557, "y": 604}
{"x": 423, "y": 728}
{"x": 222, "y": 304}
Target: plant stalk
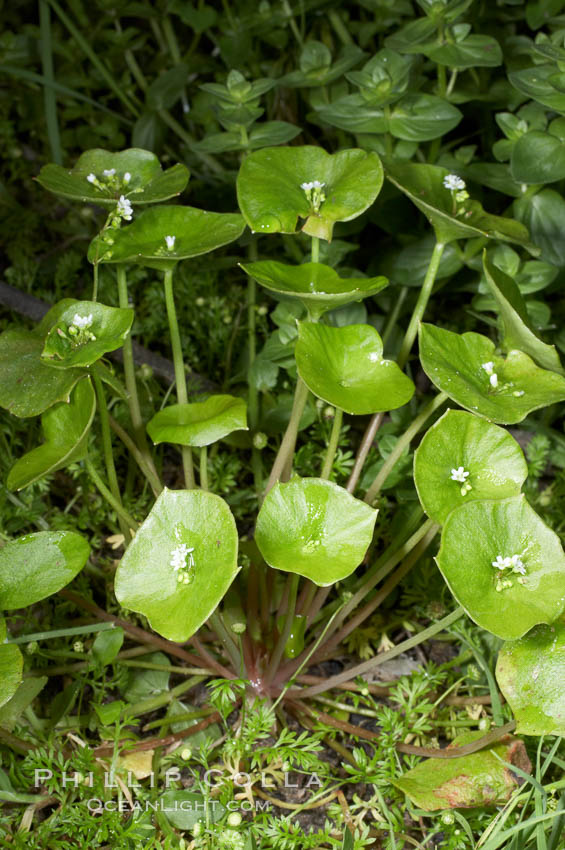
{"x": 108, "y": 453}
{"x": 333, "y": 444}
{"x": 421, "y": 304}
{"x": 114, "y": 503}
{"x": 288, "y": 443}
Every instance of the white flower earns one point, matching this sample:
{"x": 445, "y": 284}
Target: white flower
{"x": 493, "y": 380}
{"x": 179, "y": 557}
{"x": 127, "y": 177}
{"x": 459, "y": 474}
{"x": 513, "y": 563}
{"x": 170, "y": 240}
{"x": 502, "y": 563}
{"x": 517, "y": 565}
{"x": 91, "y": 178}
{"x": 82, "y": 322}
{"x": 124, "y": 208}
{"x": 314, "y": 184}
{"x": 453, "y": 182}
{"x": 488, "y": 367}
{"x": 109, "y": 172}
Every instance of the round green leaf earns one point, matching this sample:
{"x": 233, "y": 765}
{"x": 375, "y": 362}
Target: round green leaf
{"x": 538, "y": 158}
{"x": 147, "y": 184}
{"x": 423, "y": 184}
{"x": 27, "y": 386}
{"x": 65, "y": 427}
{"x": 463, "y": 458}
{"x": 271, "y": 198}
{"x": 189, "y": 534}
{"x": 11, "y": 671}
{"x": 200, "y": 423}
{"x": 544, "y": 216}
{"x": 479, "y": 534}
{"x": 314, "y": 528}
{"x": 145, "y": 241}
{"x": 84, "y": 332}
{"x": 474, "y": 51}
{"x": 530, "y": 673}
{"x": 345, "y": 367}
{"x": 460, "y": 365}
{"x": 38, "y": 565}
{"x": 318, "y": 286}
{"x": 422, "y": 117}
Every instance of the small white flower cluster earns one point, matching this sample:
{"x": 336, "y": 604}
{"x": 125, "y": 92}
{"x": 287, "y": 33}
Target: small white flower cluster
{"x": 315, "y": 194}
{"x": 461, "y": 474}
{"x": 77, "y": 333}
{"x": 454, "y": 183}
{"x": 170, "y": 240}
{"x": 489, "y": 369}
{"x": 109, "y": 183}
{"x": 182, "y": 561}
{"x": 124, "y": 208}
{"x": 513, "y": 564}
{"x": 82, "y": 322}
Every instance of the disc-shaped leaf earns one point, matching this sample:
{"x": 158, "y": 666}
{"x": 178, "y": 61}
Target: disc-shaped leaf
{"x": 271, "y": 197}
{"x": 65, "y": 427}
{"x": 478, "y": 779}
{"x": 11, "y": 670}
{"x": 84, "y": 332}
{"x": 463, "y": 458}
{"x": 318, "y": 286}
{"x": 423, "y": 184}
{"x": 530, "y": 673}
{"x": 161, "y": 236}
{"x": 517, "y": 331}
{"x": 200, "y": 423}
{"x": 147, "y": 183}
{"x": 345, "y": 367}
{"x": 503, "y": 565}
{"x": 538, "y": 157}
{"x": 189, "y": 535}
{"x": 312, "y": 527}
{"x": 466, "y": 367}
{"x": 37, "y": 565}
{"x": 27, "y": 385}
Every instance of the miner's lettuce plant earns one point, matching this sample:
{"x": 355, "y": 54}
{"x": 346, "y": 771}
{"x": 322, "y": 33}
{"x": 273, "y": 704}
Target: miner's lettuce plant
{"x": 267, "y": 597}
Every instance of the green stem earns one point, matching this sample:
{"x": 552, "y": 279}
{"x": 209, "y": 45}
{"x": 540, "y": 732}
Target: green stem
{"x": 129, "y": 370}
{"x": 315, "y": 249}
{"x": 228, "y": 642}
{"x": 180, "y": 377}
{"x": 117, "y": 506}
{"x": 285, "y": 634}
{"x": 289, "y": 440}
{"x": 402, "y": 443}
{"x": 204, "y": 468}
{"x": 146, "y": 468}
{"x": 377, "y": 660}
{"x": 333, "y": 444}
{"x": 253, "y": 395}
{"x": 49, "y": 93}
{"x": 58, "y": 633}
{"x": 95, "y": 282}
{"x": 394, "y": 313}
{"x": 108, "y": 453}
{"x": 421, "y": 304}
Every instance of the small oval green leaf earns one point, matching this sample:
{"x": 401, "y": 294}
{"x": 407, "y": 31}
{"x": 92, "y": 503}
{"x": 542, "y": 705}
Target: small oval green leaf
{"x": 467, "y": 368}
{"x": 161, "y": 236}
{"x": 319, "y": 287}
{"x": 272, "y": 188}
{"x": 312, "y": 527}
{"x": 65, "y": 427}
{"x": 180, "y": 563}
{"x": 345, "y": 367}
{"x": 38, "y": 565}
{"x": 200, "y": 423}
{"x": 463, "y": 458}
{"x": 530, "y": 673}
{"x": 503, "y": 565}
{"x": 11, "y": 671}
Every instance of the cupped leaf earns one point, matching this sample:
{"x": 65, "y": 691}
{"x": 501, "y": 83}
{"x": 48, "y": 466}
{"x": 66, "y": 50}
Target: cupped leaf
{"x": 27, "y": 385}
{"x": 180, "y": 563}
{"x": 538, "y": 157}
{"x": 544, "y": 216}
{"x": 503, "y": 565}
{"x": 422, "y": 117}
{"x": 161, "y": 236}
{"x": 38, "y": 565}
{"x": 463, "y": 458}
{"x": 451, "y": 220}
{"x": 345, "y": 367}
{"x": 318, "y": 286}
{"x": 147, "y": 183}
{"x": 200, "y": 423}
{"x": 11, "y": 671}
{"x": 474, "y": 51}
{"x": 530, "y": 673}
{"x": 84, "y": 332}
{"x": 517, "y": 332}
{"x": 467, "y": 368}
{"x": 478, "y": 779}
{"x": 65, "y": 427}
{"x": 271, "y": 197}
{"x": 312, "y": 527}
